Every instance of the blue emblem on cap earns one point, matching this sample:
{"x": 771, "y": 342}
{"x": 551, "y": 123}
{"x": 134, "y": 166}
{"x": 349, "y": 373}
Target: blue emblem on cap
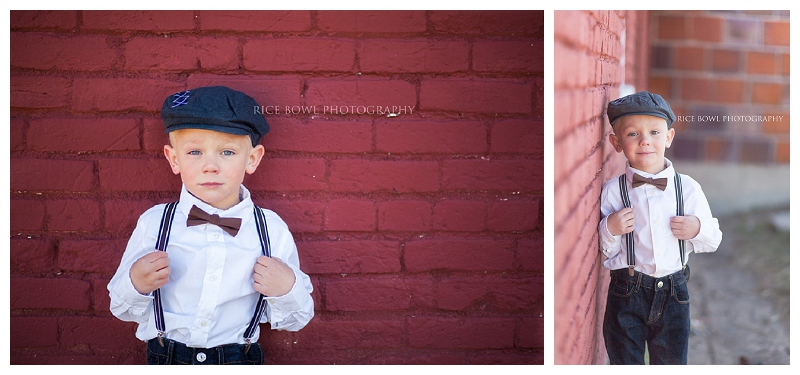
{"x": 180, "y": 99}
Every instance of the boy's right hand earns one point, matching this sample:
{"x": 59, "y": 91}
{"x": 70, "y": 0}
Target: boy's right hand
{"x": 150, "y": 272}
{"x": 620, "y": 222}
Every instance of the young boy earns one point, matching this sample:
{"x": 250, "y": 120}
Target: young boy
{"x": 642, "y": 235}
{"x": 199, "y": 301}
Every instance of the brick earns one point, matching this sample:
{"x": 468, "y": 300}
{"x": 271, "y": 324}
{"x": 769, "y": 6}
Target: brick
{"x": 490, "y": 294}
{"x": 756, "y": 151}
{"x": 707, "y": 29}
{"x": 18, "y": 133}
{"x": 761, "y": 63}
{"x": 220, "y": 55}
{"x": 508, "y": 56}
{"x": 493, "y": 175}
{"x": 730, "y": 91}
{"x": 351, "y": 334}
{"x": 725, "y": 60}
{"x": 137, "y": 175}
{"x": 426, "y": 255}
{"x": 44, "y": 51}
{"x": 35, "y": 255}
{"x": 785, "y": 65}
{"x": 769, "y": 93}
{"x": 482, "y": 96}
{"x": 530, "y": 333}
{"x": 102, "y": 301}
{"x": 39, "y": 92}
{"x": 288, "y": 175}
{"x": 33, "y": 332}
{"x": 144, "y": 20}
{"x": 26, "y": 215}
{"x": 777, "y": 127}
{"x": 349, "y": 257}
{"x": 58, "y": 293}
{"x": 251, "y": 20}
{"x": 518, "y": 136}
{"x": 459, "y": 215}
{"x": 377, "y": 293}
{"x": 298, "y": 54}
{"x": 404, "y": 215}
{"x": 398, "y": 21}
{"x": 122, "y": 94}
{"x": 341, "y": 92}
{"x": 776, "y": 33}
{"x": 392, "y": 176}
{"x": 73, "y": 215}
{"x": 512, "y": 215}
{"x": 696, "y": 89}
{"x": 97, "y": 332}
{"x": 83, "y": 134}
{"x": 411, "y": 56}
{"x": 350, "y": 215}
{"x": 52, "y": 175}
{"x": 319, "y": 136}
{"x": 460, "y": 333}
{"x": 782, "y": 153}
{"x": 124, "y": 223}
{"x": 436, "y": 137}
{"x": 266, "y": 91}
{"x": 487, "y": 21}
{"x": 153, "y": 137}
{"x": 299, "y": 215}
{"x": 530, "y": 254}
{"x": 672, "y": 27}
{"x": 87, "y": 255}
{"x": 160, "y": 54}
{"x": 690, "y": 58}
{"x": 44, "y": 19}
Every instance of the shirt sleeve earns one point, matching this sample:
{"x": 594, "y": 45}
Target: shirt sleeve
{"x": 293, "y": 310}
{"x": 696, "y": 204}
{"x": 610, "y": 245}
{"x": 127, "y": 304}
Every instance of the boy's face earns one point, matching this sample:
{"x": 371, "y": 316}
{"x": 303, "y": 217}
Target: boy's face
{"x": 643, "y": 140}
{"x": 212, "y": 164}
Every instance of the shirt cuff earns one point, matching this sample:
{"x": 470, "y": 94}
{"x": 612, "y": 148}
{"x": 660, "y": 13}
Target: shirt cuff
{"x": 294, "y": 300}
{"x": 139, "y": 303}
{"x": 608, "y": 241}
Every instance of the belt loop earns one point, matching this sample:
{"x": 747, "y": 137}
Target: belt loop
{"x": 638, "y": 282}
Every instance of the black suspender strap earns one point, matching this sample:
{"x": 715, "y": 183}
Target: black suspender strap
{"x": 626, "y": 201}
{"x": 263, "y": 237}
{"x": 161, "y": 245}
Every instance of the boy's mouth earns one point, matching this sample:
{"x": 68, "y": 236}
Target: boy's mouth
{"x": 210, "y": 184}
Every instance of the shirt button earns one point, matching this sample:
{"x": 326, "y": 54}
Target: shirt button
{"x": 203, "y": 323}
{"x": 660, "y": 284}
{"x": 214, "y": 278}
{"x": 201, "y": 357}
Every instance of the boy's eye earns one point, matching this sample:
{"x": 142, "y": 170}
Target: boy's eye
{"x": 194, "y": 152}
{"x": 632, "y": 134}
{"x": 654, "y": 132}
{"x": 227, "y": 152}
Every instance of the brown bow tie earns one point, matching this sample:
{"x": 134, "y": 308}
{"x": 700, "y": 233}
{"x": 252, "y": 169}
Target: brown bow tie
{"x": 199, "y": 217}
{"x": 660, "y": 183}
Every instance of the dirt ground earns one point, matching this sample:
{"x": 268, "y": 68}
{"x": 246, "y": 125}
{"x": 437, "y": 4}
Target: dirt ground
{"x": 740, "y": 294}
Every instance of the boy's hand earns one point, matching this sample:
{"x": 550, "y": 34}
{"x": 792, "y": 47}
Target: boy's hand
{"x": 620, "y": 222}
{"x": 685, "y": 227}
{"x": 272, "y": 277}
{"x": 150, "y": 272}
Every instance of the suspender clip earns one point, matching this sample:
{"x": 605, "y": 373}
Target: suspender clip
{"x": 630, "y": 270}
{"x": 160, "y": 339}
{"x": 247, "y": 348}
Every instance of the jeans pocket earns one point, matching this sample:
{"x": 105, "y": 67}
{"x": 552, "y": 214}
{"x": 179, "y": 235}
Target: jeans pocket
{"x": 621, "y": 287}
{"x": 154, "y": 358}
{"x": 680, "y": 293}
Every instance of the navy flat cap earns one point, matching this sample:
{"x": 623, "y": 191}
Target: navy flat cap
{"x": 216, "y": 108}
{"x": 640, "y": 103}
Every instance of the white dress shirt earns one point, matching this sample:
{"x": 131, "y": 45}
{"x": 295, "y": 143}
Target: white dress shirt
{"x": 209, "y": 299}
{"x": 656, "y": 248}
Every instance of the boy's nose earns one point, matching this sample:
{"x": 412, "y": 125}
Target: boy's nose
{"x": 210, "y": 165}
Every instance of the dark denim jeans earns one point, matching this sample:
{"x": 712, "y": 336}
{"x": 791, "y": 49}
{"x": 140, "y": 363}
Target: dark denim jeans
{"x": 176, "y": 353}
{"x": 643, "y": 309}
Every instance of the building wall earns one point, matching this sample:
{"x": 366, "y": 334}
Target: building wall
{"x": 422, "y": 232}
{"x": 598, "y": 54}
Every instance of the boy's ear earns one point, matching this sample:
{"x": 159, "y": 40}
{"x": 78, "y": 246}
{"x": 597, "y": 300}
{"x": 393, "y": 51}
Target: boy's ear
{"x": 670, "y": 136}
{"x": 254, "y": 159}
{"x": 172, "y": 158}
{"x": 615, "y": 142}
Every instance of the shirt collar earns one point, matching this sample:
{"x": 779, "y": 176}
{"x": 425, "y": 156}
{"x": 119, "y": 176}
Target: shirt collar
{"x": 242, "y": 210}
{"x": 668, "y": 172}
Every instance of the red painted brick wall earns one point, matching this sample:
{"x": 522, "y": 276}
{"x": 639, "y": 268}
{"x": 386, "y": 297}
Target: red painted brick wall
{"x": 726, "y": 73}
{"x": 422, "y": 233}
{"x": 589, "y": 70}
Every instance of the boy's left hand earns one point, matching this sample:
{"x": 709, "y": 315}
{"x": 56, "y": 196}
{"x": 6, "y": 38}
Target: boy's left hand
{"x": 685, "y": 227}
{"x": 272, "y": 277}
